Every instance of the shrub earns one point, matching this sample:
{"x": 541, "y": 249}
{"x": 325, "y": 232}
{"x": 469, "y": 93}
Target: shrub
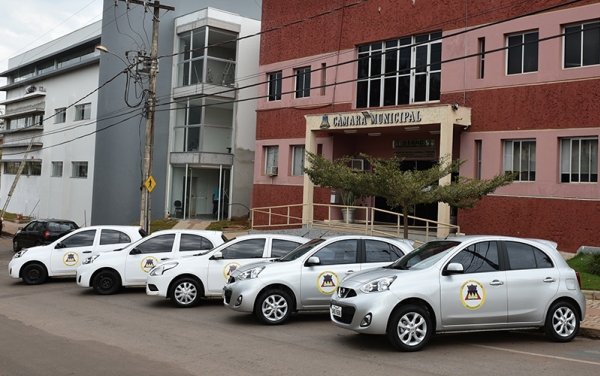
{"x": 593, "y": 264}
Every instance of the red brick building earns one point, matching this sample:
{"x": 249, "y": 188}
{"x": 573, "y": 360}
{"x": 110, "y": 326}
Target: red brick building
{"x": 506, "y": 86}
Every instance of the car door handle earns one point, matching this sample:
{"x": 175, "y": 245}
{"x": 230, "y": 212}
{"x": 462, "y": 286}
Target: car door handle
{"x": 349, "y": 272}
{"x": 163, "y": 259}
{"x": 87, "y": 252}
{"x": 549, "y": 280}
{"x": 495, "y": 282}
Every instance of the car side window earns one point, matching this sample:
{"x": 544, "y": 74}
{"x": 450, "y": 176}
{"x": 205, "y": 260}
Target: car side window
{"x": 281, "y": 248}
{"x": 113, "y": 237}
{"x": 523, "y": 256}
{"x": 341, "y": 252}
{"x": 191, "y": 242}
{"x": 157, "y": 244}
{"x": 378, "y": 251}
{"x": 81, "y": 239}
{"x": 251, "y": 248}
{"x": 35, "y": 226}
{"x": 479, "y": 258}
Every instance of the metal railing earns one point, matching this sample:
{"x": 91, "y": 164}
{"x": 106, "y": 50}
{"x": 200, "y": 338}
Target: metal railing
{"x": 358, "y": 219}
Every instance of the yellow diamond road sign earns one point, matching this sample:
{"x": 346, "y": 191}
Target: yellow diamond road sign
{"x": 150, "y": 183}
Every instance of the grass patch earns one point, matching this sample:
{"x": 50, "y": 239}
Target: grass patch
{"x": 12, "y": 216}
{"x": 220, "y": 225}
{"x": 580, "y": 263}
{"x": 160, "y": 224}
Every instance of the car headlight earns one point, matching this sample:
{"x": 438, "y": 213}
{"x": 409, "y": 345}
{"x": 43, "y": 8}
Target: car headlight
{"x": 378, "y": 285}
{"x": 251, "y": 273}
{"x": 160, "y": 269}
{"x": 20, "y": 253}
{"x": 89, "y": 260}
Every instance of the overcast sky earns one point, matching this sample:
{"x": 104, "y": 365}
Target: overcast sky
{"x": 25, "y": 24}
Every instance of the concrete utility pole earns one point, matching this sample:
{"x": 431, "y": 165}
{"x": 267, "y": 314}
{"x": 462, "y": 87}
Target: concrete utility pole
{"x": 148, "y": 180}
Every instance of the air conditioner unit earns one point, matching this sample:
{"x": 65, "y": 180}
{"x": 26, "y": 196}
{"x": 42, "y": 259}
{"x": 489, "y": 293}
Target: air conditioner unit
{"x": 272, "y": 170}
{"x": 357, "y": 164}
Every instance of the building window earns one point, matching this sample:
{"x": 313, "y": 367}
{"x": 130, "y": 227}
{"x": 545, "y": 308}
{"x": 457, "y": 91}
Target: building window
{"x": 519, "y": 156}
{"x": 582, "y": 45}
{"x": 579, "y": 160}
{"x": 80, "y": 170}
{"x": 25, "y": 121}
{"x": 399, "y": 72}
{"x": 275, "y": 86}
{"x": 298, "y": 153}
{"x": 522, "y": 53}
{"x": 83, "y": 111}
{"x": 302, "y": 82}
{"x": 323, "y": 78}
{"x": 57, "y": 169}
{"x": 271, "y": 159}
{"x": 30, "y": 168}
{"x": 60, "y": 115}
{"x": 214, "y": 64}
{"x": 481, "y": 69}
{"x": 479, "y": 157}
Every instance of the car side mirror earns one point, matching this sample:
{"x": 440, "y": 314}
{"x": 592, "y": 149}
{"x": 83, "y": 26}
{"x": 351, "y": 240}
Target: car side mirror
{"x": 135, "y": 251}
{"x": 314, "y": 260}
{"x": 59, "y": 246}
{"x": 453, "y": 268}
{"x": 217, "y": 256}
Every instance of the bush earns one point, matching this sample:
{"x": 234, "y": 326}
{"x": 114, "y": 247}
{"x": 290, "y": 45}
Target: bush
{"x": 593, "y": 264}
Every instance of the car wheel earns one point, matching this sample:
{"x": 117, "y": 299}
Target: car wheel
{"x": 409, "y": 328}
{"x": 107, "y": 282}
{"x": 186, "y": 292}
{"x": 16, "y": 246}
{"x": 273, "y": 307}
{"x": 562, "y": 322}
{"x": 34, "y": 274}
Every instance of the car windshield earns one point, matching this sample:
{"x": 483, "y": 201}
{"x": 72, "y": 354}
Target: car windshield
{"x": 301, "y": 250}
{"x": 424, "y": 256}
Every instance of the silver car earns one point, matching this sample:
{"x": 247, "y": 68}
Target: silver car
{"x": 304, "y": 279}
{"x": 468, "y": 283}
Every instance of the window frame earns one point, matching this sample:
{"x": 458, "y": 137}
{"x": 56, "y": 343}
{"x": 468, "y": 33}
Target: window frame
{"x": 271, "y": 161}
{"x": 60, "y": 115}
{"x": 303, "y": 77}
{"x": 580, "y": 35}
{"x": 76, "y": 166}
{"x": 83, "y": 112}
{"x": 55, "y": 172}
{"x": 527, "y": 175}
{"x": 297, "y": 168}
{"x": 524, "y": 48}
{"x": 593, "y": 162}
{"x": 274, "y": 89}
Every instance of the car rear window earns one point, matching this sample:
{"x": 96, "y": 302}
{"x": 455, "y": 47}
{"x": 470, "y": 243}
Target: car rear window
{"x": 61, "y": 226}
{"x": 114, "y": 237}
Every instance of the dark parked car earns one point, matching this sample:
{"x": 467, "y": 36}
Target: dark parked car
{"x": 42, "y": 231}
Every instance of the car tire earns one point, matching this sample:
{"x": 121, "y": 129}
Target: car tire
{"x": 16, "y": 246}
{"x": 34, "y": 274}
{"x": 562, "y": 322}
{"x": 273, "y": 307}
{"x": 410, "y": 328}
{"x": 186, "y": 293}
{"x": 106, "y": 282}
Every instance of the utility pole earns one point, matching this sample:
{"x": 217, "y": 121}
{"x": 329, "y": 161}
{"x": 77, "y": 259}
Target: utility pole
{"x": 148, "y": 180}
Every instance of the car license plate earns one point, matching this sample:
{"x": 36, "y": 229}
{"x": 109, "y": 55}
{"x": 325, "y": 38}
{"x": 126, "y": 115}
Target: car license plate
{"x": 336, "y": 310}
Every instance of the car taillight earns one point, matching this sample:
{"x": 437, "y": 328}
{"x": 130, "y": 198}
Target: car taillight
{"x": 578, "y": 279}
{"x": 47, "y": 236}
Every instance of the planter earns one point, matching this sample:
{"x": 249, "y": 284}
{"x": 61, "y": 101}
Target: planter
{"x": 348, "y": 215}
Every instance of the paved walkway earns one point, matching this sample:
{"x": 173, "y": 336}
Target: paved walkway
{"x": 590, "y": 327}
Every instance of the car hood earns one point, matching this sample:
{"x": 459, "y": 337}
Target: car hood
{"x": 38, "y": 250}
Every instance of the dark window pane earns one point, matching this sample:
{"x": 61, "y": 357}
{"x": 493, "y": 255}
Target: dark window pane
{"x": 520, "y": 256}
{"x": 515, "y": 54}
{"x": 420, "y": 87}
{"x": 378, "y": 251}
{"x": 389, "y": 92}
{"x": 158, "y": 244}
{"x": 542, "y": 259}
{"x": 478, "y": 258}
{"x": 341, "y": 252}
{"x": 281, "y": 248}
{"x": 376, "y": 60}
{"x": 434, "y": 86}
{"x": 391, "y": 58}
{"x": 252, "y": 248}
{"x": 421, "y": 59}
{"x": 197, "y": 71}
{"x": 362, "y": 94}
{"x": 113, "y": 237}
{"x": 363, "y": 65}
{"x": 530, "y": 63}
{"x": 572, "y": 47}
{"x": 436, "y": 57}
{"x": 404, "y": 90}
{"x": 81, "y": 239}
{"x": 375, "y": 93}
{"x": 194, "y": 243}
{"x": 404, "y": 61}
{"x": 591, "y": 44}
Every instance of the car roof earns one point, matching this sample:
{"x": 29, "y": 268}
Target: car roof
{"x": 279, "y": 236}
{"x": 469, "y": 238}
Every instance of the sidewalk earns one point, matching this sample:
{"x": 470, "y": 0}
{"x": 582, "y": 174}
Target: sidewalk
{"x": 590, "y": 327}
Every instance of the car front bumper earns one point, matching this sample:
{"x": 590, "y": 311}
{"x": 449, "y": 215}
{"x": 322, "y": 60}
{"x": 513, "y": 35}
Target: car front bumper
{"x": 241, "y": 295}
{"x": 84, "y": 275}
{"x": 14, "y": 267}
{"x": 158, "y": 285}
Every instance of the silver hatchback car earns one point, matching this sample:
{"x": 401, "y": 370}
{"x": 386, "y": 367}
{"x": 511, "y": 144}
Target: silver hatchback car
{"x": 467, "y": 283}
{"x": 305, "y": 278}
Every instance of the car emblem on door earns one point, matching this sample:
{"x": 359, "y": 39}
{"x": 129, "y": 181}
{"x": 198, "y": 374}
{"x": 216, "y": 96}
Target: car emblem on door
{"x": 70, "y": 258}
{"x": 148, "y": 263}
{"x": 472, "y": 294}
{"x": 327, "y": 282}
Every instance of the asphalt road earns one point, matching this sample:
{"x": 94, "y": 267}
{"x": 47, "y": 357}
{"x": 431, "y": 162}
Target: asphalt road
{"x": 60, "y": 329}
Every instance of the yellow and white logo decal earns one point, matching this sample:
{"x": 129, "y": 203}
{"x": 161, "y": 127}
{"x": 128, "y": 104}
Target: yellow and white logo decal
{"x": 472, "y": 294}
{"x": 148, "y": 263}
{"x": 328, "y": 282}
{"x": 70, "y": 258}
{"x": 230, "y": 268}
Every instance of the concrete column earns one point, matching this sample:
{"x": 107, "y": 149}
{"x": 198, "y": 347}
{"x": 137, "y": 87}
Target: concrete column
{"x": 446, "y": 135}
{"x": 308, "y": 193}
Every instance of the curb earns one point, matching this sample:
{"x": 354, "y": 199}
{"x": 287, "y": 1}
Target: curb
{"x": 589, "y": 333}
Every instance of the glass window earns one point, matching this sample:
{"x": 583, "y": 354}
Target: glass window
{"x": 271, "y": 157}
{"x": 157, "y": 244}
{"x": 33, "y": 168}
{"x": 524, "y": 256}
{"x": 252, "y": 248}
{"x": 80, "y": 170}
{"x": 113, "y": 237}
{"x": 60, "y": 115}
{"x": 81, "y": 239}
{"x": 378, "y": 251}
{"x": 481, "y": 70}
{"x": 281, "y": 248}
{"x": 57, "y": 169}
{"x": 83, "y": 111}
{"x": 11, "y": 168}
{"x": 340, "y": 252}
{"x": 479, "y": 258}
{"x": 401, "y": 71}
{"x": 298, "y": 160}
{"x": 190, "y": 242}
{"x": 479, "y": 151}
{"x": 519, "y": 156}
{"x": 302, "y": 82}
{"x": 522, "y": 53}
{"x": 582, "y": 45}
{"x": 579, "y": 160}
{"x": 275, "y": 86}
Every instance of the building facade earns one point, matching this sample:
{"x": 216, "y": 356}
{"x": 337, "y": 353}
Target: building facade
{"x": 505, "y": 87}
